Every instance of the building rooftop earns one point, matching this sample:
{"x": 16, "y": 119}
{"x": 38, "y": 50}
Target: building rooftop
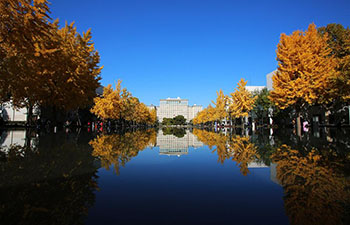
{"x": 254, "y": 88}
{"x": 174, "y": 99}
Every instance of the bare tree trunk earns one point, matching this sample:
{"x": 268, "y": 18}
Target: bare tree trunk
{"x": 298, "y": 123}
{"x": 30, "y": 114}
{"x": 78, "y": 117}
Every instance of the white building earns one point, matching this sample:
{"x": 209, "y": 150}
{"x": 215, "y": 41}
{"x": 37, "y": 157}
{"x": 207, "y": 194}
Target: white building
{"x": 254, "y": 88}
{"x": 269, "y": 80}
{"x": 171, "y": 107}
{"x": 11, "y": 114}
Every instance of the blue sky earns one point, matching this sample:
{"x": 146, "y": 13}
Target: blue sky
{"x": 192, "y": 48}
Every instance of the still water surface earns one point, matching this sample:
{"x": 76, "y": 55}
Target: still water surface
{"x": 175, "y": 176}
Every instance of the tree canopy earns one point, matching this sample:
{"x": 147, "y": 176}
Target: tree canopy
{"x": 239, "y": 104}
{"x": 42, "y": 64}
{"x": 304, "y": 69}
{"x": 242, "y": 101}
{"x": 119, "y": 104}
{"x": 339, "y": 43}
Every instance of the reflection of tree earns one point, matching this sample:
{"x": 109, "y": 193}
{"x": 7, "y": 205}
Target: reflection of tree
{"x": 316, "y": 190}
{"x": 210, "y": 138}
{"x": 214, "y": 139}
{"x": 177, "y": 132}
{"x": 118, "y": 149}
{"x": 244, "y": 152}
{"x": 47, "y": 185}
{"x": 238, "y": 148}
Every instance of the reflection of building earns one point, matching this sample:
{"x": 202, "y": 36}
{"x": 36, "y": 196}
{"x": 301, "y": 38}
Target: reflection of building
{"x": 16, "y": 138}
{"x": 13, "y": 137}
{"x": 172, "y": 145}
{"x": 256, "y": 165}
{"x": 171, "y": 107}
{"x": 273, "y": 174}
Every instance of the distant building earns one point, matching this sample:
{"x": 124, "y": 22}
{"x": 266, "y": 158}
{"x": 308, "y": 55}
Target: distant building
{"x": 269, "y": 80}
{"x": 171, "y": 107}
{"x": 254, "y": 88}
{"x": 11, "y": 114}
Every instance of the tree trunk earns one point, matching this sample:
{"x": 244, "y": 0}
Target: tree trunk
{"x": 30, "y": 114}
{"x": 298, "y": 124}
{"x": 78, "y": 117}
{"x": 54, "y": 112}
{"x": 27, "y": 139}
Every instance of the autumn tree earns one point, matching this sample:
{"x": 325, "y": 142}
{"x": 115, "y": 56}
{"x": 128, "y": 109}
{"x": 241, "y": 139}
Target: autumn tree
{"x": 153, "y": 116}
{"x": 220, "y": 106}
{"x": 22, "y": 21}
{"x": 304, "y": 70}
{"x": 339, "y": 43}
{"x": 241, "y": 101}
{"x": 42, "y": 64}
{"x": 119, "y": 104}
{"x": 143, "y": 115}
{"x": 70, "y": 74}
{"x": 206, "y": 116}
{"x": 23, "y": 27}
{"x": 110, "y": 105}
{"x": 238, "y": 105}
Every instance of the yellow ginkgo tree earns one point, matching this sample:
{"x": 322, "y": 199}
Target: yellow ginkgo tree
{"x": 42, "y": 64}
{"x": 304, "y": 70}
{"x": 220, "y": 106}
{"x": 206, "y": 116}
{"x": 120, "y": 105}
{"x": 241, "y": 101}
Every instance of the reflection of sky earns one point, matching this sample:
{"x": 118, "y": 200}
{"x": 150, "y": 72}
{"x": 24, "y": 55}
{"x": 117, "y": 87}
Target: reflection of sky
{"x": 196, "y": 189}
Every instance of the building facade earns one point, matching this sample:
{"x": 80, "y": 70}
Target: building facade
{"x": 269, "y": 80}
{"x": 171, "y": 107}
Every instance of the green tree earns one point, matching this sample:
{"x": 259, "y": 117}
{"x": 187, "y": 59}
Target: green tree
{"x": 263, "y": 104}
{"x": 179, "y": 120}
{"x": 167, "y": 121}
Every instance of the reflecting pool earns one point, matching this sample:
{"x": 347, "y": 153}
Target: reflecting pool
{"x": 175, "y": 176}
